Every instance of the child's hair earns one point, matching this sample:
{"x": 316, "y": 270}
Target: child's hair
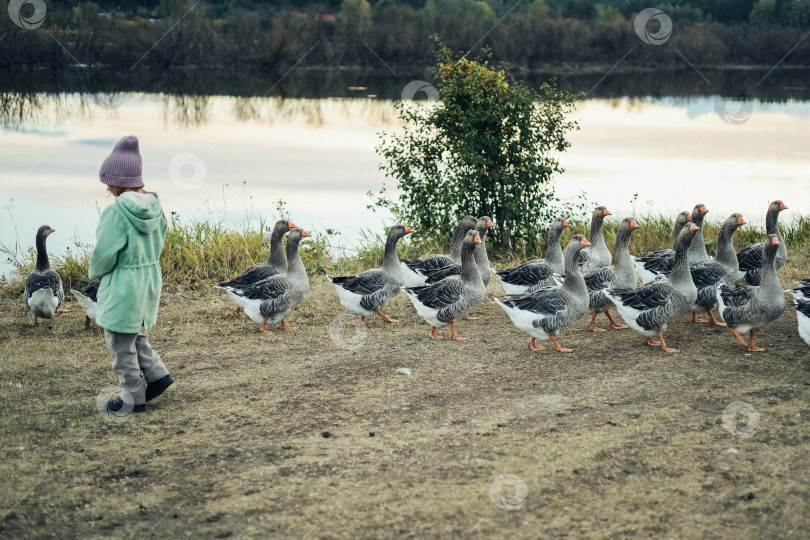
{"x": 116, "y": 191}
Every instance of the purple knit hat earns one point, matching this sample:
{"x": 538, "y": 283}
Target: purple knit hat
{"x": 122, "y": 168}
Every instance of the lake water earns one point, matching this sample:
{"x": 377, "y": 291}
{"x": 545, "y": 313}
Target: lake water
{"x": 232, "y": 158}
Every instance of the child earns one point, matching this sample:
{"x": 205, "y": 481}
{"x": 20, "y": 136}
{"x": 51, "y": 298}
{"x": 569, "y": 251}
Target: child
{"x": 129, "y": 240}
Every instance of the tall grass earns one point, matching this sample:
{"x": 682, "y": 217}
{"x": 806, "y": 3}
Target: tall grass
{"x": 210, "y": 252}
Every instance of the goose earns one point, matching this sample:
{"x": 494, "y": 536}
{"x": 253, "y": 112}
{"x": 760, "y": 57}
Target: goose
{"x": 597, "y": 255}
{"x": 802, "y": 292}
{"x": 747, "y": 309}
{"x": 442, "y": 302}
{"x": 536, "y": 272}
{"x": 722, "y": 269}
{"x": 660, "y": 261}
{"x": 87, "y": 300}
{"x": 366, "y": 293}
{"x": 544, "y": 312}
{"x": 750, "y": 257}
{"x": 803, "y": 318}
{"x": 270, "y": 300}
{"x": 648, "y": 308}
{"x": 414, "y": 270}
{"x": 276, "y": 264}
{"x": 482, "y": 226}
{"x": 43, "y": 288}
{"x": 621, "y": 276}
{"x": 697, "y": 251}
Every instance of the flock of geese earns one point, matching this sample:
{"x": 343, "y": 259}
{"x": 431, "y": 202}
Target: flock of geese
{"x": 543, "y": 296}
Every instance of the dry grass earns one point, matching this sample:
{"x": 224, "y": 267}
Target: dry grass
{"x": 615, "y": 439}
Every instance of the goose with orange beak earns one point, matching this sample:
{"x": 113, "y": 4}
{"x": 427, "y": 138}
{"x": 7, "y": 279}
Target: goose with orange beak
{"x": 598, "y": 254}
{"x": 697, "y": 251}
{"x": 482, "y": 226}
{"x": 270, "y": 301}
{"x": 43, "y": 292}
{"x": 276, "y": 264}
{"x": 543, "y": 312}
{"x": 543, "y": 272}
{"x": 649, "y": 308}
{"x": 366, "y": 293}
{"x": 621, "y": 276}
{"x": 444, "y": 301}
{"x": 747, "y": 309}
{"x": 750, "y": 257}
{"x": 660, "y": 261}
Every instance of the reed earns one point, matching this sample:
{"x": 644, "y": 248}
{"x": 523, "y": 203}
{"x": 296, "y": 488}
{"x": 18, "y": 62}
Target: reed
{"x": 210, "y": 252}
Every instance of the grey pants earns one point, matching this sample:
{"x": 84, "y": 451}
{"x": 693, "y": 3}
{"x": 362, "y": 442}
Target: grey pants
{"x": 132, "y": 354}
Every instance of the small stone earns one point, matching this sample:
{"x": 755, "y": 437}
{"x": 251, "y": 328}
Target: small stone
{"x": 326, "y": 434}
{"x": 732, "y": 451}
{"x": 404, "y": 371}
{"x": 751, "y": 496}
{"x": 370, "y": 433}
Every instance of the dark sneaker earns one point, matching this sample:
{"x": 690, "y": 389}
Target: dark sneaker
{"x": 115, "y": 405}
{"x": 155, "y": 388}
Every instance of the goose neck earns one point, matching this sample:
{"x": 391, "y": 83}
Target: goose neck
{"x": 42, "y": 254}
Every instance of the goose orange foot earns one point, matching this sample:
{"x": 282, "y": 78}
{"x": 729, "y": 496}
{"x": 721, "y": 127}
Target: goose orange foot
{"x": 364, "y": 320}
{"x": 751, "y": 346}
{"x": 534, "y": 346}
{"x": 557, "y": 345}
{"x": 652, "y": 343}
{"x": 738, "y": 336}
{"x": 386, "y": 317}
{"x": 433, "y": 333}
{"x": 696, "y": 320}
{"x": 614, "y": 324}
{"x": 63, "y": 311}
{"x": 287, "y": 327}
{"x": 455, "y": 336}
{"x": 238, "y": 312}
{"x": 592, "y": 327}
{"x": 664, "y": 344}
{"x": 713, "y": 320}
{"x": 468, "y": 318}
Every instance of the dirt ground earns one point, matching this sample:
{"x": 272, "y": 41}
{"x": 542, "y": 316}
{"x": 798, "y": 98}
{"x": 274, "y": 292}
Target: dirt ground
{"x": 315, "y": 435}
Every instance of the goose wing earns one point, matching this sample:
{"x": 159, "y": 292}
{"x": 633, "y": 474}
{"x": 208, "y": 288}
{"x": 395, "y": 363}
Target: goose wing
{"x": 659, "y": 262}
{"x": 543, "y": 301}
{"x": 750, "y": 257}
{"x": 439, "y": 274}
{"x": 737, "y": 297}
{"x": 267, "y": 289}
{"x": 600, "y": 278}
{"x": 652, "y": 301}
{"x": 91, "y": 290}
{"x": 528, "y": 273}
{"x": 252, "y": 275}
{"x": 440, "y": 294}
{"x": 41, "y": 280}
{"x": 367, "y": 282}
{"x": 707, "y": 273}
{"x": 428, "y": 264}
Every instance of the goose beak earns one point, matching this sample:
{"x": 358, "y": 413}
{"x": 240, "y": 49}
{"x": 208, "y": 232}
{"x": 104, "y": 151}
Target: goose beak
{"x": 53, "y": 230}
{"x": 694, "y": 228}
{"x": 291, "y": 225}
{"x": 605, "y": 212}
{"x": 584, "y": 242}
{"x": 477, "y": 239}
{"x": 782, "y": 206}
{"x": 703, "y": 209}
{"x": 740, "y": 220}
{"x": 490, "y": 224}
{"x": 774, "y": 241}
{"x": 633, "y": 225}
{"x": 408, "y": 230}
{"x": 304, "y": 234}
{"x": 566, "y": 224}
{"x": 688, "y": 217}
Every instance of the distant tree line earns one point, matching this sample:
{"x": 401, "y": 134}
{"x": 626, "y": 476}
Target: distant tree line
{"x": 395, "y": 34}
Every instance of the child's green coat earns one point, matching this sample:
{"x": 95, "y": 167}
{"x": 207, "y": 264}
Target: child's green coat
{"x": 129, "y": 240}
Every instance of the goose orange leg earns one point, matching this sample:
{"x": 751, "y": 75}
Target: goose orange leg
{"x": 433, "y": 333}
{"x": 263, "y": 327}
{"x": 286, "y": 326}
{"x": 534, "y": 346}
{"x": 613, "y": 323}
{"x": 468, "y": 318}
{"x": 652, "y": 343}
{"x": 364, "y": 320}
{"x": 738, "y": 336}
{"x": 36, "y": 321}
{"x": 63, "y": 311}
{"x": 751, "y": 346}
{"x": 592, "y": 327}
{"x": 386, "y": 317}
{"x": 713, "y": 320}
{"x": 238, "y": 313}
{"x": 455, "y": 336}
{"x": 86, "y": 322}
{"x": 557, "y": 345}
{"x": 695, "y": 318}
{"x": 664, "y": 344}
